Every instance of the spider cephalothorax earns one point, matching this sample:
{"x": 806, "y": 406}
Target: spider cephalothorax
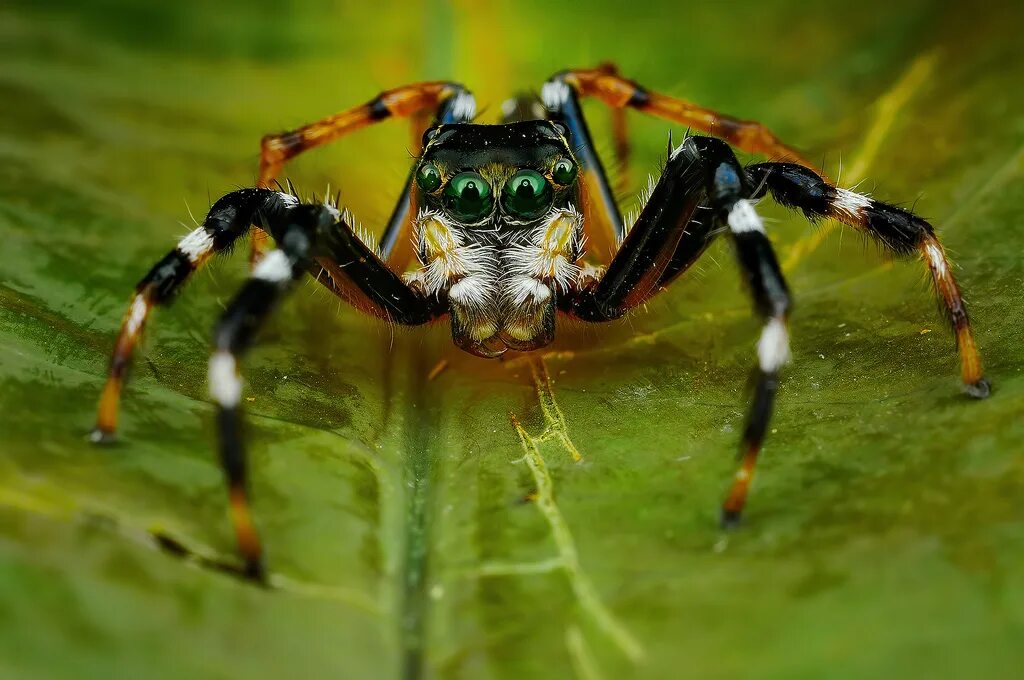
{"x": 498, "y": 216}
{"x": 498, "y": 231}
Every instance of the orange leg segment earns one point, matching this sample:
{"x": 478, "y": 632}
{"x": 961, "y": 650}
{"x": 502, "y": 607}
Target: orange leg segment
{"x": 606, "y": 84}
{"x": 409, "y": 101}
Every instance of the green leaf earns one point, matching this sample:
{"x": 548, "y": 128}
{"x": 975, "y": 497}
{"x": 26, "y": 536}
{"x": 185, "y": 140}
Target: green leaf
{"x": 412, "y": 526}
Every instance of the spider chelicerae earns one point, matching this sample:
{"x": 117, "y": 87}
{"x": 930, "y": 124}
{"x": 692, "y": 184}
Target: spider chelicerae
{"x": 502, "y": 218}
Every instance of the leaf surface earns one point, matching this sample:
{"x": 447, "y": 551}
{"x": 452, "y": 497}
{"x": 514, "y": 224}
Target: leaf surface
{"x": 413, "y": 526}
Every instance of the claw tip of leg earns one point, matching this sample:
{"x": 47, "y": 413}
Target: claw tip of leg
{"x": 979, "y": 390}
{"x": 730, "y": 519}
{"x": 255, "y": 572}
{"x": 102, "y": 436}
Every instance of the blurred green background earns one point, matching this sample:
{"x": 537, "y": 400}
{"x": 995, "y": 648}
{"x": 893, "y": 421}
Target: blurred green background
{"x": 410, "y": 530}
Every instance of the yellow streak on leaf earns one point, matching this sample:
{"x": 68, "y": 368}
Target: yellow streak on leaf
{"x": 582, "y": 588}
{"x": 582, "y": 659}
{"x": 553, "y": 416}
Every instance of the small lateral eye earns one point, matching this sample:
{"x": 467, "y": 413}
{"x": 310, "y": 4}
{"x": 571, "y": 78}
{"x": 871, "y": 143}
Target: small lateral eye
{"x": 468, "y": 196}
{"x": 564, "y": 171}
{"x": 527, "y": 194}
{"x": 429, "y": 134}
{"x": 428, "y": 177}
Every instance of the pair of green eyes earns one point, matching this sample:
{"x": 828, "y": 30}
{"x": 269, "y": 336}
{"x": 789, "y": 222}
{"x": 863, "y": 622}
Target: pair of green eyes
{"x": 468, "y": 195}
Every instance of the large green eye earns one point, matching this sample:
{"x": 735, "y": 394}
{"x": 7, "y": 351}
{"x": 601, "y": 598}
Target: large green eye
{"x": 428, "y": 177}
{"x": 564, "y": 171}
{"x": 468, "y": 196}
{"x": 527, "y": 194}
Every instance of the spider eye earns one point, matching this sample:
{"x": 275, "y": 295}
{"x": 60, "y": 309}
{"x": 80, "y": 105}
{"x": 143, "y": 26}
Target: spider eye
{"x": 564, "y": 171}
{"x": 428, "y": 177}
{"x": 527, "y": 194}
{"x": 468, "y": 196}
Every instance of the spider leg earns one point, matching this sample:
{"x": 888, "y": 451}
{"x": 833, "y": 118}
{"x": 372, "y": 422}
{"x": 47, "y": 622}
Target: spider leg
{"x": 309, "y": 237}
{"x": 354, "y": 272}
{"x": 675, "y": 226}
{"x": 448, "y": 102}
{"x": 621, "y": 147}
{"x": 605, "y": 226}
{"x": 270, "y": 279}
{"x": 899, "y": 230}
{"x": 617, "y": 92}
{"x": 228, "y": 220}
{"x": 702, "y": 173}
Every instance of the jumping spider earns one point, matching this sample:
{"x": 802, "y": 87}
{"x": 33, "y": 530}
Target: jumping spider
{"x": 499, "y": 215}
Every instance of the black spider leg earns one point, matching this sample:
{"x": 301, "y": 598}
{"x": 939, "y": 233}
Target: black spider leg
{"x": 563, "y": 106}
{"x": 702, "y": 172}
{"x": 228, "y": 220}
{"x": 312, "y": 237}
{"x": 308, "y": 237}
{"x": 898, "y": 230}
{"x": 270, "y": 279}
{"x": 450, "y": 111}
{"x": 411, "y": 101}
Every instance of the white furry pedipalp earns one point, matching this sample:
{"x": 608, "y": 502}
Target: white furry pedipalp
{"x": 525, "y": 290}
{"x": 553, "y": 250}
{"x": 445, "y": 257}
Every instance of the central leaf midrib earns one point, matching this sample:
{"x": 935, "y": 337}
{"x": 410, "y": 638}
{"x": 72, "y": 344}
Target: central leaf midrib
{"x": 420, "y": 420}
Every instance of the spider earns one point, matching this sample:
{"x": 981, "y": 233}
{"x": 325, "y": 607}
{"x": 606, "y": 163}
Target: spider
{"x": 501, "y": 217}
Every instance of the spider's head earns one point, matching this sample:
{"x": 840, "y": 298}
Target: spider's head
{"x": 497, "y": 229}
{"x": 494, "y": 176}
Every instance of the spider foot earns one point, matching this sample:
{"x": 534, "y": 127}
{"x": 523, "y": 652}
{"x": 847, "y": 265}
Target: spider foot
{"x": 730, "y": 519}
{"x": 102, "y": 436}
{"x": 256, "y": 572}
{"x": 979, "y": 390}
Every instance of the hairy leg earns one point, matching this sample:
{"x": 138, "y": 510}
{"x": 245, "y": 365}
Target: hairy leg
{"x": 702, "y": 173}
{"x": 447, "y": 102}
{"x": 898, "y": 230}
{"x": 228, "y": 220}
{"x": 618, "y": 92}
